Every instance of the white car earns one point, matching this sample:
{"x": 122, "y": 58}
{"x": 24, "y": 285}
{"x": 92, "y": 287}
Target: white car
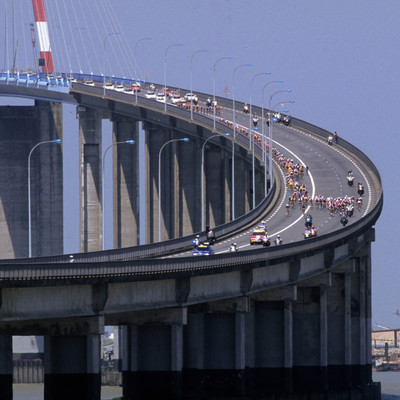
{"x": 190, "y": 96}
{"x": 128, "y": 89}
{"x": 151, "y": 95}
{"x": 160, "y": 97}
{"x": 119, "y": 88}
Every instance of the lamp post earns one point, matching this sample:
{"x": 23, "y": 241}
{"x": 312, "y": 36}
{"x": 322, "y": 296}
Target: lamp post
{"x": 104, "y": 59}
{"x": 234, "y": 136}
{"x": 264, "y": 155}
{"x": 202, "y": 179}
{"x": 165, "y": 72}
{"x": 191, "y": 79}
{"x": 252, "y": 138}
{"x": 136, "y": 79}
{"x": 215, "y": 66}
{"x": 102, "y": 192}
{"x": 70, "y": 45}
{"x": 159, "y": 181}
{"x": 29, "y": 191}
{"x": 271, "y": 175}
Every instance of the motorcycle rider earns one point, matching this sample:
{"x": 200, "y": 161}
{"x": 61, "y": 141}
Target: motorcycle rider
{"x": 211, "y": 236}
{"x": 308, "y": 221}
{"x": 233, "y": 247}
{"x": 196, "y": 241}
{"x": 255, "y": 121}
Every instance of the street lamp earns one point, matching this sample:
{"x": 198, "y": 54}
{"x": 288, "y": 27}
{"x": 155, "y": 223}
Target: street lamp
{"x": 191, "y": 79}
{"x": 271, "y": 175}
{"x": 264, "y": 155}
{"x": 202, "y": 179}
{"x": 252, "y": 138}
{"x": 165, "y": 72}
{"x": 29, "y": 191}
{"x": 136, "y": 79}
{"x": 102, "y": 192}
{"x": 234, "y": 136}
{"x": 159, "y": 181}
{"x": 215, "y": 66}
{"x": 104, "y": 60}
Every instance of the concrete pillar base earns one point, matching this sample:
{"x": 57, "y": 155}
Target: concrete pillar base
{"x": 6, "y": 381}
{"x": 166, "y": 385}
{"x": 72, "y": 386}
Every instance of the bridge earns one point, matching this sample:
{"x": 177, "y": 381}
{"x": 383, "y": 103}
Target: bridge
{"x": 262, "y": 322}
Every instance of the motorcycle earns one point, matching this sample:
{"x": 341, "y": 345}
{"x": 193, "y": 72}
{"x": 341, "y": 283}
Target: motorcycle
{"x": 360, "y": 189}
{"x": 278, "y": 241}
{"x": 211, "y": 237}
{"x": 344, "y": 221}
{"x": 308, "y": 222}
{"x": 330, "y": 140}
{"x": 350, "y": 180}
{"x": 233, "y": 248}
{"x": 266, "y": 242}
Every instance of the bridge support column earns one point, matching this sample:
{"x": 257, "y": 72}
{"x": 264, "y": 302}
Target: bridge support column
{"x": 72, "y": 363}
{"x": 217, "y": 198}
{"x": 6, "y": 367}
{"x": 242, "y": 186}
{"x": 90, "y": 191}
{"x": 153, "y": 356}
{"x": 125, "y": 182}
{"x": 215, "y": 350}
{"x": 179, "y": 181}
{"x": 22, "y": 128}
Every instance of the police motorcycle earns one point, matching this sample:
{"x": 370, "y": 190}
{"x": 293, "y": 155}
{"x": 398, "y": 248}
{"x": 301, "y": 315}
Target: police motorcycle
{"x": 233, "y": 248}
{"x": 330, "y": 140}
{"x": 344, "y": 220}
{"x": 360, "y": 189}
{"x": 211, "y": 238}
{"x": 308, "y": 221}
{"x": 278, "y": 241}
{"x": 266, "y": 242}
{"x": 196, "y": 241}
{"x": 350, "y": 179}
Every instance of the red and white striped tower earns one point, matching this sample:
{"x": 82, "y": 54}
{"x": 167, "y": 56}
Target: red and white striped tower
{"x": 43, "y": 33}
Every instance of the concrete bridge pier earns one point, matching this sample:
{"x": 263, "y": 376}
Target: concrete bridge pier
{"x": 72, "y": 360}
{"x": 152, "y": 349}
{"x": 216, "y": 184}
{"x": 21, "y": 129}
{"x": 6, "y": 367}
{"x": 179, "y": 180}
{"x": 125, "y": 183}
{"x": 90, "y": 189}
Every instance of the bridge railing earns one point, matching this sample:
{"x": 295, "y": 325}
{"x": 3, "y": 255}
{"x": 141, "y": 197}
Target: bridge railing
{"x": 179, "y": 244}
{"x": 18, "y": 274}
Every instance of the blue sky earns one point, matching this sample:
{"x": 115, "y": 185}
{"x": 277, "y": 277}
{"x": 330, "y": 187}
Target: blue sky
{"x": 340, "y": 59}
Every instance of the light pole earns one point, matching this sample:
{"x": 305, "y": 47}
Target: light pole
{"x": 215, "y": 66}
{"x": 234, "y": 136}
{"x": 136, "y": 79}
{"x": 102, "y": 192}
{"x": 271, "y": 175}
{"x": 159, "y": 181}
{"x": 29, "y": 192}
{"x": 264, "y": 155}
{"x": 104, "y": 60}
{"x": 252, "y": 138}
{"x": 165, "y": 72}
{"x": 202, "y": 179}
{"x": 191, "y": 79}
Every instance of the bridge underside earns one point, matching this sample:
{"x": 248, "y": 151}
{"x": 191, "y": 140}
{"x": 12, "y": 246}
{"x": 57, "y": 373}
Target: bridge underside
{"x": 307, "y": 339}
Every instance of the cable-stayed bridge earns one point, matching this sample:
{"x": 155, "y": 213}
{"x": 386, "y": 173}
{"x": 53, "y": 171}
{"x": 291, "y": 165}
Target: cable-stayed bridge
{"x": 283, "y": 320}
